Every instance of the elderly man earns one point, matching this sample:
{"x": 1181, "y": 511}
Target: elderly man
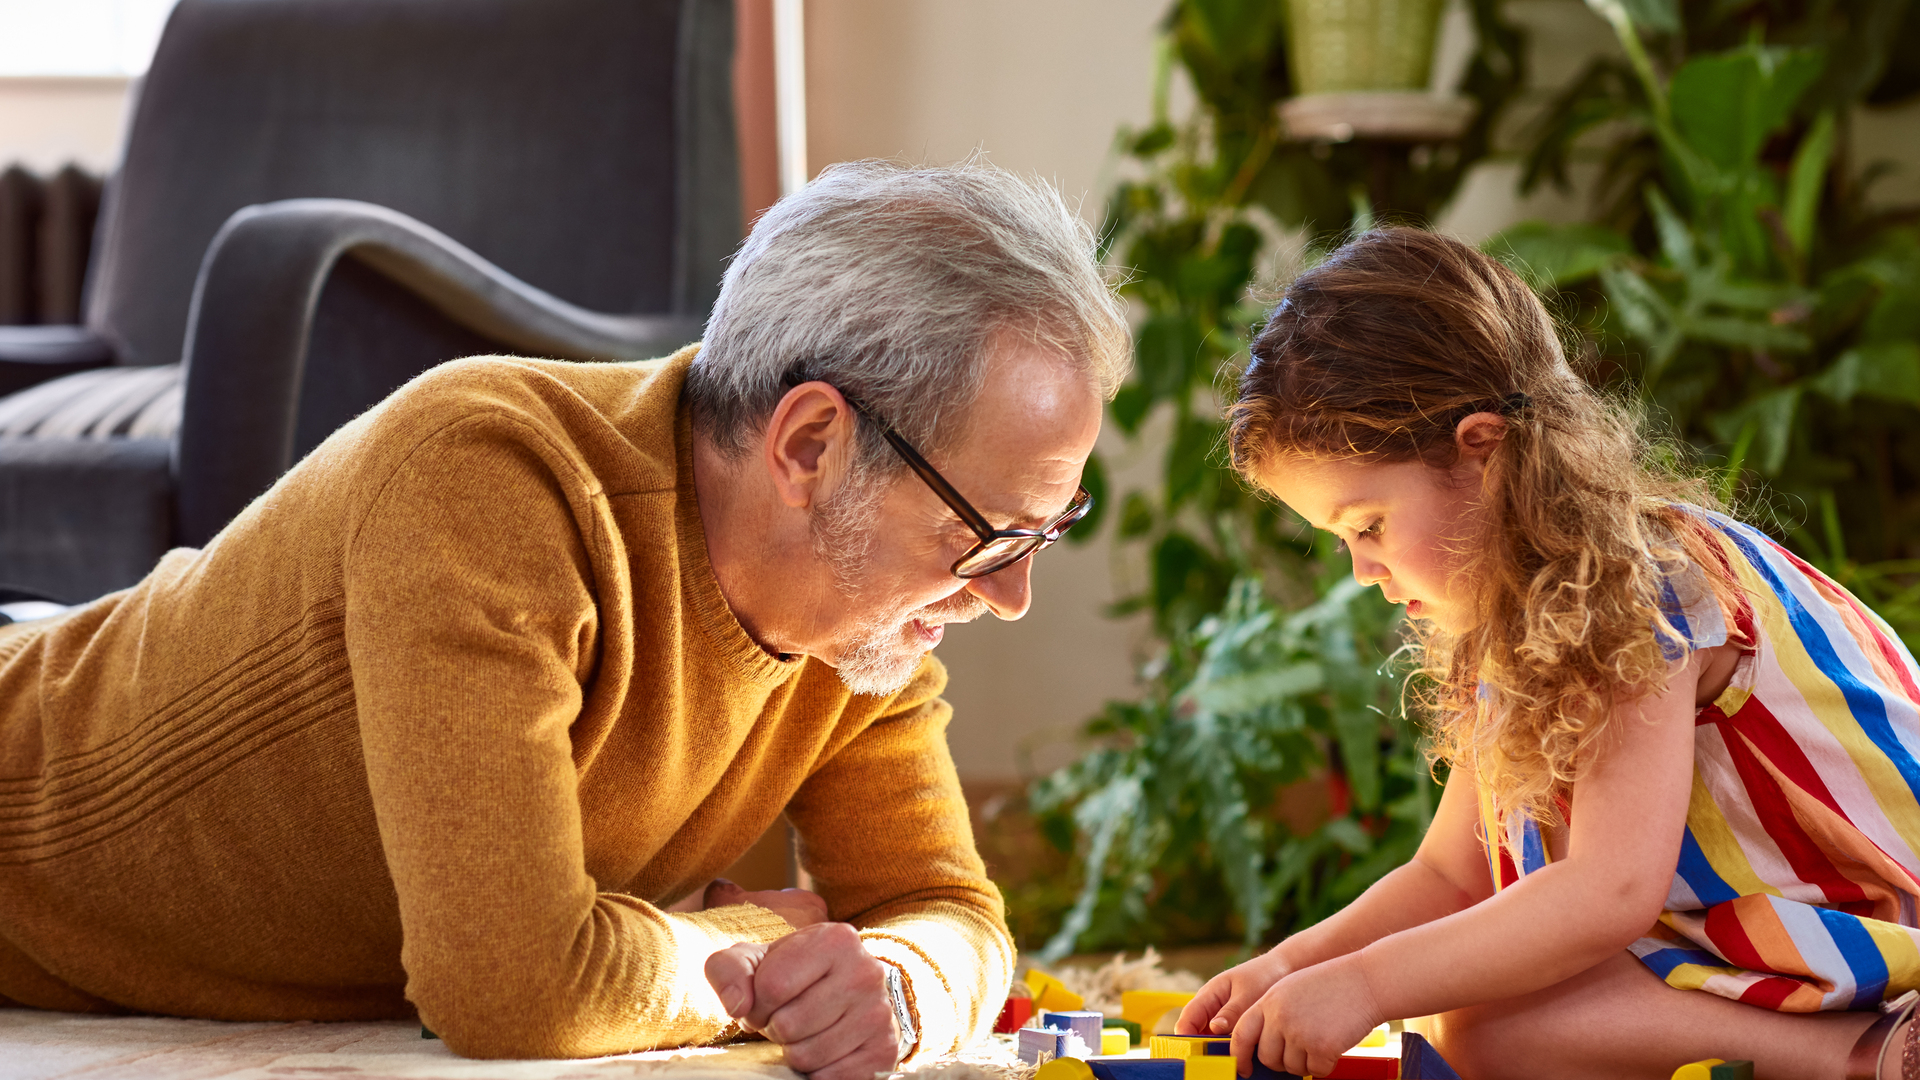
{"x": 445, "y": 723}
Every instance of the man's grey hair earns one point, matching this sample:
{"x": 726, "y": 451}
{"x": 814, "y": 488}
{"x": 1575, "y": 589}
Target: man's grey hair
{"x": 890, "y": 283}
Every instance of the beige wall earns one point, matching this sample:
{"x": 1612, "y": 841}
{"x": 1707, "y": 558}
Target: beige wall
{"x": 48, "y": 122}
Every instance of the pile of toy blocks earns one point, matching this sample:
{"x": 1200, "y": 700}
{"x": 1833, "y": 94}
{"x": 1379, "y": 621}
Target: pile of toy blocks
{"x": 1069, "y": 1042}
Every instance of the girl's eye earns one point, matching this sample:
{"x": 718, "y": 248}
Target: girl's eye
{"x": 1370, "y": 532}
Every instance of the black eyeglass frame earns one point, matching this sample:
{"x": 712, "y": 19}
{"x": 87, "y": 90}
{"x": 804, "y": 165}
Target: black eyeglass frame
{"x": 1032, "y": 539}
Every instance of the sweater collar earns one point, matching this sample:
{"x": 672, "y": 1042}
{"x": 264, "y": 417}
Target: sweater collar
{"x": 700, "y": 590}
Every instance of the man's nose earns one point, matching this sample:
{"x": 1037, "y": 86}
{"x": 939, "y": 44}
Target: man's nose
{"x": 1008, "y": 593}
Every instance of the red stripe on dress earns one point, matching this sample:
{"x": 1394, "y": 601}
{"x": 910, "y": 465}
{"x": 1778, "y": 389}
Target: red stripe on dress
{"x": 1771, "y": 992}
{"x": 1729, "y": 938}
{"x": 1770, "y": 806}
{"x": 1757, "y": 724}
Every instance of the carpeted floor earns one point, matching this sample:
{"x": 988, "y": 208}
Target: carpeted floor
{"x": 45, "y": 1046}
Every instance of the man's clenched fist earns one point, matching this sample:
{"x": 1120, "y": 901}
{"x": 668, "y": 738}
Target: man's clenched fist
{"x": 817, "y": 992}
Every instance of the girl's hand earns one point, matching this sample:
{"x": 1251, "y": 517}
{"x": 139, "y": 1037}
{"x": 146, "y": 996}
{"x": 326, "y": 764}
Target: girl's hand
{"x": 1307, "y": 1020}
{"x": 1219, "y": 1004}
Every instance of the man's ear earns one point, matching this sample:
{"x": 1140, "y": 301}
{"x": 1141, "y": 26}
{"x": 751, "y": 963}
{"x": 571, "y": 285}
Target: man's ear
{"x": 1477, "y": 434}
{"x": 809, "y": 443}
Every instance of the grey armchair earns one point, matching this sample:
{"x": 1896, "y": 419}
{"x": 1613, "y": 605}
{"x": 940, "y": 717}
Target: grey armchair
{"x": 322, "y": 198}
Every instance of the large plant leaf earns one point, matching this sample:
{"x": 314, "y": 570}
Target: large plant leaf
{"x": 1889, "y": 371}
{"x": 1555, "y": 256}
{"x": 1726, "y": 104}
{"x": 1767, "y": 421}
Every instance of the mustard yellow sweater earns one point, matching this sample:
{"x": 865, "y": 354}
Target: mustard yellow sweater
{"x": 437, "y": 726}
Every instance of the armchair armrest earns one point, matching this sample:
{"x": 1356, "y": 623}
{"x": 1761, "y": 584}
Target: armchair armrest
{"x": 34, "y": 354}
{"x": 252, "y": 313}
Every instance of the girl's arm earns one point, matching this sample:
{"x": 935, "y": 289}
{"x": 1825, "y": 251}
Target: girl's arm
{"x": 1448, "y": 873}
{"x": 1629, "y": 811}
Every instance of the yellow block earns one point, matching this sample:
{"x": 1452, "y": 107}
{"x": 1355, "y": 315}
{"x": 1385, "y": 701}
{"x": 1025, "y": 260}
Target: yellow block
{"x": 1146, "y": 1007}
{"x": 1697, "y": 1070}
{"x": 1181, "y": 1046}
{"x": 1052, "y": 995}
{"x": 1376, "y": 1037}
{"x": 1115, "y": 1041}
{"x": 1063, "y": 1069}
{"x": 1210, "y": 1067}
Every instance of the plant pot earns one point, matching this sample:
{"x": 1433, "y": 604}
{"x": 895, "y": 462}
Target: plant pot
{"x": 1347, "y": 46}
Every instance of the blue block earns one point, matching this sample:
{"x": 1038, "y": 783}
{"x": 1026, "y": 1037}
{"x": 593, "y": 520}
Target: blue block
{"x": 1085, "y": 1024}
{"x": 1420, "y": 1061}
{"x": 1138, "y": 1068}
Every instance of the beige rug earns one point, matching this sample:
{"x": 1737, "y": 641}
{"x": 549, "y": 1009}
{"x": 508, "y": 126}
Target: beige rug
{"x": 44, "y": 1046}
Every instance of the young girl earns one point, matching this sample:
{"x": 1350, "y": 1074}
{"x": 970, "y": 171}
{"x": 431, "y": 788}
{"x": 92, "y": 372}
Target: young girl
{"x": 1681, "y": 820}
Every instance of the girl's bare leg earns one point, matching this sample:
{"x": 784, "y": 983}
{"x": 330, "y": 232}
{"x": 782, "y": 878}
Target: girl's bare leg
{"x": 1618, "y": 1021}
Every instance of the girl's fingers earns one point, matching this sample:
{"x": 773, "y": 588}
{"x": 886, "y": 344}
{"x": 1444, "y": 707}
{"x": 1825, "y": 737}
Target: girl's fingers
{"x": 1246, "y": 1040}
{"x": 1278, "y": 1054}
{"x": 1198, "y": 1012}
{"x": 1229, "y": 1014}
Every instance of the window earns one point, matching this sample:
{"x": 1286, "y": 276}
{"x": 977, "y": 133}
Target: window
{"x": 79, "y": 37}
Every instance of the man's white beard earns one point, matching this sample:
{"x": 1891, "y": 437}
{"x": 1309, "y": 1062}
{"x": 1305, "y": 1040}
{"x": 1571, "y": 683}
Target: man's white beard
{"x": 881, "y": 652}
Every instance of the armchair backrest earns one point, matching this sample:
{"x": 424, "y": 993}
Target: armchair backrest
{"x": 584, "y": 146}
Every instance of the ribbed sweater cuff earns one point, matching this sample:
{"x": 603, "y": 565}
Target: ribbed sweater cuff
{"x": 930, "y": 999}
{"x": 700, "y": 934}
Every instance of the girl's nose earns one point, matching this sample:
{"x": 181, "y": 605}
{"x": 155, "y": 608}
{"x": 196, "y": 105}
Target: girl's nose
{"x": 1369, "y": 572}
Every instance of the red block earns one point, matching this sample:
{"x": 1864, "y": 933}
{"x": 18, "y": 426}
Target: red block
{"x": 1014, "y": 1015}
{"x": 1364, "y": 1068}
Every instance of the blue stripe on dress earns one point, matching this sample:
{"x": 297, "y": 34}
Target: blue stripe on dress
{"x": 1677, "y": 615}
{"x": 1533, "y": 853}
{"x": 1861, "y": 953}
{"x": 1663, "y": 961}
{"x": 1699, "y": 874}
{"x": 1868, "y": 710}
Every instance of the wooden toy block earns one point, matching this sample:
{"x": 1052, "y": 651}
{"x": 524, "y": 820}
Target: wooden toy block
{"x": 1138, "y": 1068}
{"x": 1050, "y": 993}
{"x": 1132, "y": 1029}
{"x": 1065, "y": 1068}
{"x": 1083, "y": 1023}
{"x": 1715, "y": 1069}
{"x": 1115, "y": 1040}
{"x": 1146, "y": 1007}
{"x": 1041, "y": 1044}
{"x": 1184, "y": 1046}
{"x": 1209, "y": 1067}
{"x": 1376, "y": 1037}
{"x": 1013, "y": 1015}
{"x": 1420, "y": 1061}
{"x": 1356, "y": 1067}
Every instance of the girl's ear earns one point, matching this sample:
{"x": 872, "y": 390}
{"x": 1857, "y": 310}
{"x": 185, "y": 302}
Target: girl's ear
{"x": 1478, "y": 433}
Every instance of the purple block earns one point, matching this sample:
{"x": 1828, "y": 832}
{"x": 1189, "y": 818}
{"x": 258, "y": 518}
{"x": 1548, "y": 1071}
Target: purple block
{"x": 1082, "y": 1023}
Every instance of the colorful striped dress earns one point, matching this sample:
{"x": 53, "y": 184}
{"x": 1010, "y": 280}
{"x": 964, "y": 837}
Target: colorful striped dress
{"x": 1798, "y": 872}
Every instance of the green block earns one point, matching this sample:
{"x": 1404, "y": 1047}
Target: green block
{"x": 425, "y": 1034}
{"x": 1732, "y": 1070}
{"x": 1133, "y": 1028}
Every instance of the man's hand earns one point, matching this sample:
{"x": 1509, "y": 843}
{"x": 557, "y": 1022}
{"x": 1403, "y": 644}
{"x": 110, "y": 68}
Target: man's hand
{"x": 817, "y": 992}
{"x": 798, "y": 906}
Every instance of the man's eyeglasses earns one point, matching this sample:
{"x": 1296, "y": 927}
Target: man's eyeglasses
{"x": 997, "y": 548}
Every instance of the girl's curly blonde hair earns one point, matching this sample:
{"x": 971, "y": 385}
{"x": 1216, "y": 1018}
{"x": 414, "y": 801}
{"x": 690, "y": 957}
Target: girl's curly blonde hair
{"x": 1378, "y": 353}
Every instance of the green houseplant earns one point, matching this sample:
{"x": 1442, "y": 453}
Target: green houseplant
{"x": 1735, "y": 275}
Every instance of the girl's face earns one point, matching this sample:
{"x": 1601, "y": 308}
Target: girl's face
{"x": 1405, "y": 524}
